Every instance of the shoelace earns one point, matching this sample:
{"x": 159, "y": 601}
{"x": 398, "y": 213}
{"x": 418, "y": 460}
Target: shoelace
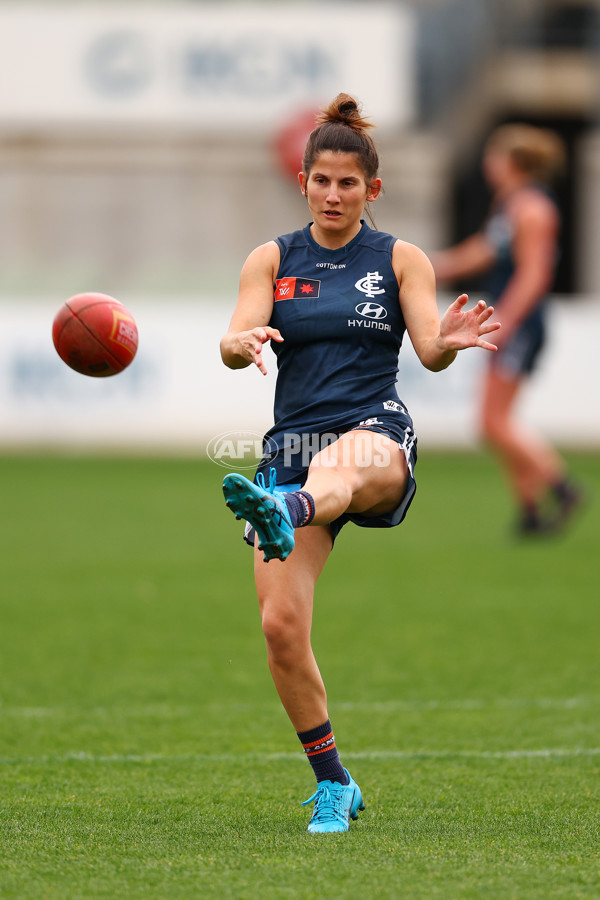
{"x": 280, "y": 510}
{"x": 260, "y": 480}
{"x": 329, "y": 803}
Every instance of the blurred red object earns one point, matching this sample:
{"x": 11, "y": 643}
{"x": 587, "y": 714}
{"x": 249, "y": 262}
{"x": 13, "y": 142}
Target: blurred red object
{"x": 291, "y": 140}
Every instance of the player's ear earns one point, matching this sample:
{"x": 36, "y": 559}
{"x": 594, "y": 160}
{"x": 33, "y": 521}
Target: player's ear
{"x": 302, "y": 182}
{"x": 374, "y": 189}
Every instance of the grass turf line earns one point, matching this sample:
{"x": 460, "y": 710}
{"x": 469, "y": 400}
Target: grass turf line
{"x": 143, "y": 752}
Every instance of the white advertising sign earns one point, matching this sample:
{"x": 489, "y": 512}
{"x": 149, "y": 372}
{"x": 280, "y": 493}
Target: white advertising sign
{"x": 206, "y": 65}
{"x": 178, "y": 396}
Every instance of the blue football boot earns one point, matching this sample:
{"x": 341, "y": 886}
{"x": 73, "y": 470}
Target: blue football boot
{"x": 335, "y": 805}
{"x": 265, "y": 509}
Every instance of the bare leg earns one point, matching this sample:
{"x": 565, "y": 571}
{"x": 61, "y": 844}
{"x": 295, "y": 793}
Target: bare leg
{"x": 362, "y": 472}
{"x": 532, "y": 465}
{"x": 285, "y": 593}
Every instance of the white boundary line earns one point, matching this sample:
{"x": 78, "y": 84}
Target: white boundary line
{"x": 543, "y": 753}
{"x": 375, "y": 706}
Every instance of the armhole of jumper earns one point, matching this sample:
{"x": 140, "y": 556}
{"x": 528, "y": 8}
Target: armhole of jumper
{"x": 390, "y": 254}
{"x": 282, "y": 252}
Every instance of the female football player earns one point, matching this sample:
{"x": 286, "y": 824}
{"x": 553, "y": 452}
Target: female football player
{"x": 518, "y": 247}
{"x": 334, "y": 299}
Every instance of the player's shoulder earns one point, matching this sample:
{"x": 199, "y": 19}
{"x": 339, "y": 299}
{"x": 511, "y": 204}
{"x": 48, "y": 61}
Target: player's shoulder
{"x": 262, "y": 262}
{"x": 411, "y": 264}
{"x": 292, "y": 239}
{"x": 263, "y": 254}
{"x": 533, "y": 204}
{"x": 406, "y": 254}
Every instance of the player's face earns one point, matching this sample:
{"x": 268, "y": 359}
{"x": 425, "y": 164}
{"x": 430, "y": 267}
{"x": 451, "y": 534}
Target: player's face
{"x": 498, "y": 168}
{"x": 337, "y": 191}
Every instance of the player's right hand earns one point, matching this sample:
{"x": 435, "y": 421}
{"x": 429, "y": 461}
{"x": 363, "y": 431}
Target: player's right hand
{"x": 251, "y": 344}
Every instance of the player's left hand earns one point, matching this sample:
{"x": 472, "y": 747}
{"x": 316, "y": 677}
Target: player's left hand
{"x": 460, "y": 329}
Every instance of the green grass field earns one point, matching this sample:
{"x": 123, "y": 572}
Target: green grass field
{"x": 143, "y": 751}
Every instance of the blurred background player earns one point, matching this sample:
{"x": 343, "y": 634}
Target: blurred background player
{"x": 518, "y": 248}
{"x": 335, "y": 299}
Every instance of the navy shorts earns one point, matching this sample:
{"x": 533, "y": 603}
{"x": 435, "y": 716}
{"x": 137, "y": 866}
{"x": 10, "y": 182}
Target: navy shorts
{"x": 290, "y": 456}
{"x": 520, "y": 354}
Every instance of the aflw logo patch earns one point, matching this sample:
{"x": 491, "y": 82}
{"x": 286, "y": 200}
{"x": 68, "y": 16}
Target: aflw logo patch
{"x": 296, "y": 288}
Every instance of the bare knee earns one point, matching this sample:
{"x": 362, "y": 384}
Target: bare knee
{"x": 497, "y": 425}
{"x": 493, "y": 428}
{"x": 284, "y": 633}
{"x": 340, "y": 481}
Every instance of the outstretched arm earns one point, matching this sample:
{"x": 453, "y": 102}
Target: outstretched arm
{"x": 471, "y": 257}
{"x": 437, "y": 342}
{"x": 249, "y": 330}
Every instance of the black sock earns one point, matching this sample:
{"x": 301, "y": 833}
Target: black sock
{"x": 563, "y": 490}
{"x": 301, "y": 507}
{"x": 530, "y": 510}
{"x": 319, "y": 746}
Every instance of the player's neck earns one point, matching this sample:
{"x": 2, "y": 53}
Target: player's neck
{"x": 333, "y": 240}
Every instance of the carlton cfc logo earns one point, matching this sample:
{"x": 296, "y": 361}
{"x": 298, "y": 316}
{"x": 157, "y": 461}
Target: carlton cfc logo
{"x": 368, "y": 284}
{"x": 371, "y": 310}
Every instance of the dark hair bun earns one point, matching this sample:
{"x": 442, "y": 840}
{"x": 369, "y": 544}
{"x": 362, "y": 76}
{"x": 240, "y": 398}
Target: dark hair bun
{"x": 344, "y": 109}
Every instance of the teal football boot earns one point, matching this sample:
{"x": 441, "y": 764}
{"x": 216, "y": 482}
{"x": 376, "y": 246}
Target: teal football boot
{"x": 265, "y": 509}
{"x": 335, "y": 805}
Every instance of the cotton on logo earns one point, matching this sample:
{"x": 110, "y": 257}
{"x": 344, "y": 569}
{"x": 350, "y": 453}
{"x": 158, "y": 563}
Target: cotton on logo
{"x": 368, "y": 284}
{"x": 371, "y": 310}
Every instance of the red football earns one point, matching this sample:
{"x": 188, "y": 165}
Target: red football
{"x": 95, "y": 335}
